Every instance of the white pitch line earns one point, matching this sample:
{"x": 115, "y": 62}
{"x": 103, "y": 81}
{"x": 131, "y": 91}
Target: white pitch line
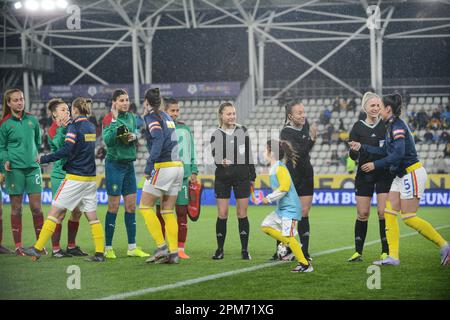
{"x": 130, "y": 294}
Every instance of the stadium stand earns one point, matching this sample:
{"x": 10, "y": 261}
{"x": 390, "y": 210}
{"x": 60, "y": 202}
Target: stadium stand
{"x": 269, "y": 115}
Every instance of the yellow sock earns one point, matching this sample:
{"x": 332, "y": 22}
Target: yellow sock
{"x": 290, "y": 241}
{"x": 46, "y": 232}
{"x": 424, "y": 228}
{"x": 153, "y": 225}
{"x": 98, "y": 236}
{"x": 392, "y": 230}
{"x": 171, "y": 226}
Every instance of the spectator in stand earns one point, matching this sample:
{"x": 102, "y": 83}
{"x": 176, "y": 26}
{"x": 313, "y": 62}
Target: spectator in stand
{"x": 351, "y": 104}
{"x": 336, "y": 104}
{"x": 422, "y": 119}
{"x": 428, "y": 137}
{"x": 445, "y": 118}
{"x": 444, "y": 137}
{"x": 434, "y": 124}
{"x": 447, "y": 150}
{"x": 328, "y": 134}
{"x": 325, "y": 117}
{"x": 412, "y": 120}
{"x": 343, "y": 104}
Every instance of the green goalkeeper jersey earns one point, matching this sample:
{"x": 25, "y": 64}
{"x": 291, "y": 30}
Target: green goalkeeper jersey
{"x": 116, "y": 149}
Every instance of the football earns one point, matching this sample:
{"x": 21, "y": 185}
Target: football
{"x": 282, "y": 250}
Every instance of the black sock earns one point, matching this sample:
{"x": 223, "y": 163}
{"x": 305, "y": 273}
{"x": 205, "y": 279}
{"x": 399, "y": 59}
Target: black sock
{"x": 244, "y": 231}
{"x": 360, "y": 235}
{"x": 384, "y": 243}
{"x": 303, "y": 231}
{"x": 221, "y": 232}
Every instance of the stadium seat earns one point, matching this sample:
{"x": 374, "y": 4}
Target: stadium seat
{"x": 429, "y": 100}
{"x": 437, "y": 100}
{"x": 444, "y": 100}
{"x": 413, "y": 100}
{"x": 421, "y": 100}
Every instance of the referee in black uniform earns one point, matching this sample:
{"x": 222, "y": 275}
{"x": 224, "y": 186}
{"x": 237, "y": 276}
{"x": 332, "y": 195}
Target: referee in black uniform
{"x": 231, "y": 150}
{"x": 302, "y": 137}
{"x": 370, "y": 131}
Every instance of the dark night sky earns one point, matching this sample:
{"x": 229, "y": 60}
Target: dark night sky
{"x": 221, "y": 55}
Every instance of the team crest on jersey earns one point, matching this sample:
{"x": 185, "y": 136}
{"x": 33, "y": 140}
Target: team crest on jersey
{"x": 30, "y": 124}
{"x": 170, "y": 124}
{"x": 115, "y": 187}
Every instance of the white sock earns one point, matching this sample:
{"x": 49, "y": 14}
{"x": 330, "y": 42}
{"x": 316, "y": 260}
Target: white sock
{"x": 108, "y": 248}
{"x": 131, "y": 246}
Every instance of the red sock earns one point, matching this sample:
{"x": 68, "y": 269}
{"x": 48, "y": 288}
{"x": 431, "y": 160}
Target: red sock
{"x": 16, "y": 226}
{"x": 56, "y": 237}
{"x": 161, "y": 219}
{"x": 182, "y": 223}
{"x": 38, "y": 221}
{"x": 72, "y": 229}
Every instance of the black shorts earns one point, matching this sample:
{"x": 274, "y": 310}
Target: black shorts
{"x": 222, "y": 188}
{"x": 365, "y": 186}
{"x": 304, "y": 186}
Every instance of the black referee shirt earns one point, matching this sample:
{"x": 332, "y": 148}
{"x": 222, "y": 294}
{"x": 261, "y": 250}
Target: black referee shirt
{"x": 302, "y": 144}
{"x": 373, "y": 135}
{"x": 235, "y": 147}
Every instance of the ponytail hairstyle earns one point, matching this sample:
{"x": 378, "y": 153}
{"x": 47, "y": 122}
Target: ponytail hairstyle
{"x": 117, "y": 93}
{"x": 83, "y": 105}
{"x": 395, "y": 102}
{"x": 53, "y": 104}
{"x": 220, "y": 111}
{"x": 6, "y": 99}
{"x": 283, "y": 150}
{"x": 153, "y": 98}
{"x": 288, "y": 109}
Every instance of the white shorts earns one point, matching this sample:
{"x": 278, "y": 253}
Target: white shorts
{"x": 411, "y": 185}
{"x": 164, "y": 181}
{"x": 288, "y": 227}
{"x": 73, "y": 193}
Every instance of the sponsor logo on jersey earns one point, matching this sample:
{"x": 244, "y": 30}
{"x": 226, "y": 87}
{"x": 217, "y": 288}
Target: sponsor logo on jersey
{"x": 90, "y": 137}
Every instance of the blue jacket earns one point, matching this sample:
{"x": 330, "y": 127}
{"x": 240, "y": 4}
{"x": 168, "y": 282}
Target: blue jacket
{"x": 399, "y": 149}
{"x": 78, "y": 149}
{"x": 289, "y": 206}
{"x": 162, "y": 140}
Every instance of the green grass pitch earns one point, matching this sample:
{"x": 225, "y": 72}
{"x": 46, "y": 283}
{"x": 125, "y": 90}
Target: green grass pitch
{"x": 418, "y": 277}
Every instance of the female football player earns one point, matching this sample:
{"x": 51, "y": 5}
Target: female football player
{"x": 400, "y": 157}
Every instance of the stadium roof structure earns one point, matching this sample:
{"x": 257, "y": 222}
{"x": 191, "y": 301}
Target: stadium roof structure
{"x": 112, "y": 24}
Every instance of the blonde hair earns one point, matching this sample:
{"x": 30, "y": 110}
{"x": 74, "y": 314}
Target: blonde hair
{"x": 83, "y": 105}
{"x": 220, "y": 111}
{"x": 6, "y": 99}
{"x": 366, "y": 97}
